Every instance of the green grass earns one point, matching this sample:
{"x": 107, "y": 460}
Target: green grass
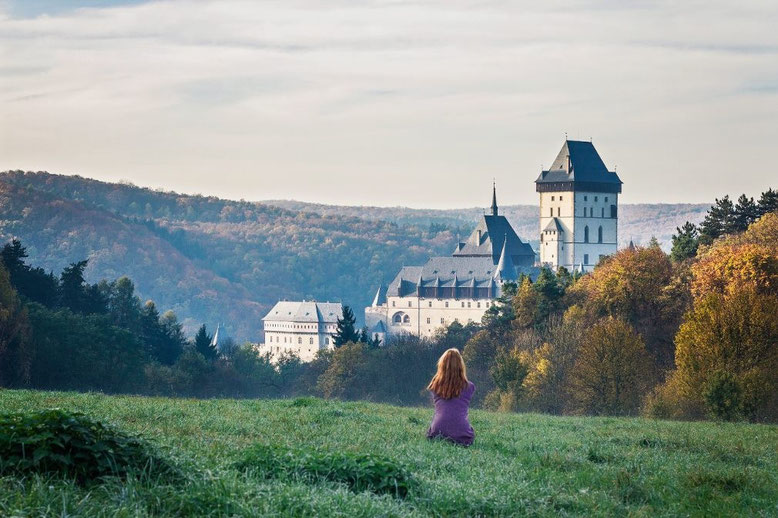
{"x": 520, "y": 464}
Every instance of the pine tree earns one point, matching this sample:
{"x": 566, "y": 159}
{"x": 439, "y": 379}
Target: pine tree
{"x": 685, "y": 242}
{"x": 768, "y": 202}
{"x": 71, "y": 287}
{"x": 345, "y": 331}
{"x": 718, "y": 221}
{"x": 203, "y": 344}
{"x": 746, "y": 212}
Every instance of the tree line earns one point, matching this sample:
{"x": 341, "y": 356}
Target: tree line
{"x": 690, "y": 334}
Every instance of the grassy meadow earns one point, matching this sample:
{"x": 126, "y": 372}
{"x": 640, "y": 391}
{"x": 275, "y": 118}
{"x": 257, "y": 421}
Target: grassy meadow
{"x": 520, "y": 464}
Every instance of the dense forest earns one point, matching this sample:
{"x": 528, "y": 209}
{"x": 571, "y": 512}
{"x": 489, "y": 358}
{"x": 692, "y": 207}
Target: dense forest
{"x": 689, "y": 334}
{"x": 213, "y": 260}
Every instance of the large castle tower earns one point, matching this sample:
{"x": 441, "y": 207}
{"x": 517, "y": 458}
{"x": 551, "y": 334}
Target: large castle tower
{"x": 578, "y": 208}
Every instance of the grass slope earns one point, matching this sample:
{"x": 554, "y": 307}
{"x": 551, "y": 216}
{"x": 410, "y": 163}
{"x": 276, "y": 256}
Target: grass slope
{"x": 520, "y": 464}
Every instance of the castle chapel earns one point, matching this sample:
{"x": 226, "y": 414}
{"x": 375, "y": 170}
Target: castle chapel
{"x": 459, "y": 287}
{"x": 578, "y": 227}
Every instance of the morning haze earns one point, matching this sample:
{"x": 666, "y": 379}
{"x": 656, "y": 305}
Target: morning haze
{"x": 390, "y": 103}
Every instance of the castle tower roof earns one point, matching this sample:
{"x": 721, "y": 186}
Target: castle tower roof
{"x": 578, "y": 167}
{"x": 505, "y": 271}
{"x": 380, "y": 296}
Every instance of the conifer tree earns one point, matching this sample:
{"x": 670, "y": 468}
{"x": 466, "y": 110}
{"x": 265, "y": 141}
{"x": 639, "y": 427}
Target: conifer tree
{"x": 203, "y": 344}
{"x": 768, "y": 202}
{"x": 718, "y": 221}
{"x": 345, "y": 331}
{"x": 685, "y": 242}
{"x": 746, "y": 212}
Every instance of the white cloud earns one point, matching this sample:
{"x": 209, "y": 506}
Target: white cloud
{"x": 417, "y": 103}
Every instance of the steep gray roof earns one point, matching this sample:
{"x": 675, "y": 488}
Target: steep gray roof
{"x": 584, "y": 166}
{"x": 305, "y": 311}
{"x": 379, "y": 327}
{"x": 380, "y": 296}
{"x": 487, "y": 240}
{"x": 219, "y": 337}
{"x": 554, "y": 224}
{"x": 505, "y": 269}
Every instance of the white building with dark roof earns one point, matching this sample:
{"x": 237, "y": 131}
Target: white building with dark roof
{"x": 461, "y": 287}
{"x": 301, "y": 328}
{"x": 579, "y": 201}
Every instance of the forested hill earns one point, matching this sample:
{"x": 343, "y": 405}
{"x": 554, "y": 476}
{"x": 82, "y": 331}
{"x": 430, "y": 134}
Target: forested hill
{"x": 639, "y": 222}
{"x": 207, "y": 259}
{"x": 213, "y": 260}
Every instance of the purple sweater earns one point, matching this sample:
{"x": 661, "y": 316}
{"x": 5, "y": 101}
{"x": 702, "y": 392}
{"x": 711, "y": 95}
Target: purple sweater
{"x": 450, "y": 419}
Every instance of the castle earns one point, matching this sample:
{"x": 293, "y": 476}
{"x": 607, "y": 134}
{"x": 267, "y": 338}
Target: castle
{"x": 578, "y": 227}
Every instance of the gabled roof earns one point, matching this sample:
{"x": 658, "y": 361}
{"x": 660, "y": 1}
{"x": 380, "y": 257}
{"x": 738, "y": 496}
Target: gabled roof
{"x": 305, "y": 311}
{"x": 379, "y": 327}
{"x": 578, "y": 161}
{"x": 488, "y": 238}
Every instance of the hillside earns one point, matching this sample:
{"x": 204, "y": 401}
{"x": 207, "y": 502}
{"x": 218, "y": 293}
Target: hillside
{"x": 639, "y": 221}
{"x": 520, "y": 464}
{"x": 213, "y": 260}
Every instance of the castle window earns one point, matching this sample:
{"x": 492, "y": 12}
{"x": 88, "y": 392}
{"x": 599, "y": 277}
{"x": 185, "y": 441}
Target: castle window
{"x": 398, "y": 317}
{"x": 468, "y": 304}
{"x": 310, "y": 340}
{"x": 410, "y": 303}
{"x": 551, "y": 212}
{"x": 586, "y": 258}
{"x": 586, "y": 198}
{"x": 326, "y": 340}
{"x": 560, "y": 198}
{"x": 595, "y": 198}
{"x": 430, "y": 303}
{"x": 299, "y": 340}
{"x": 442, "y": 320}
{"x": 446, "y": 303}
{"x": 613, "y": 211}
{"x": 393, "y": 303}
{"x": 552, "y": 198}
{"x": 478, "y": 304}
{"x": 463, "y": 303}
{"x": 586, "y": 234}
{"x": 602, "y": 212}
{"x": 428, "y": 320}
{"x": 406, "y": 319}
{"x": 606, "y": 199}
{"x": 558, "y": 211}
{"x": 599, "y": 235}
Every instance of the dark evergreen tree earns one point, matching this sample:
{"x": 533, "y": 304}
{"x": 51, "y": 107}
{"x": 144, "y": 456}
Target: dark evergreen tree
{"x": 685, "y": 242}
{"x": 203, "y": 345}
{"x": 173, "y": 338}
{"x": 30, "y": 283}
{"x": 718, "y": 221}
{"x": 768, "y": 202}
{"x": 746, "y": 212}
{"x": 346, "y": 331}
{"x": 124, "y": 305}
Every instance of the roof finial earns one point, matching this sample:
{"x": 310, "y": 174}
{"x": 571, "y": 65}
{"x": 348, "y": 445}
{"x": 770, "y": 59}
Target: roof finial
{"x": 494, "y": 198}
{"x": 565, "y": 136}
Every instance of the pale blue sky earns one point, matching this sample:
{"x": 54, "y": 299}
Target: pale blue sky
{"x": 416, "y": 103}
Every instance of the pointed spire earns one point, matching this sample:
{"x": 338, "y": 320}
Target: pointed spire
{"x": 505, "y": 271}
{"x": 380, "y": 296}
{"x": 494, "y": 198}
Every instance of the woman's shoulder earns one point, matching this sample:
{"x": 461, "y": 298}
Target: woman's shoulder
{"x": 470, "y": 386}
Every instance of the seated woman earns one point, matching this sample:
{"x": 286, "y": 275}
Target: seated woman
{"x": 451, "y": 392}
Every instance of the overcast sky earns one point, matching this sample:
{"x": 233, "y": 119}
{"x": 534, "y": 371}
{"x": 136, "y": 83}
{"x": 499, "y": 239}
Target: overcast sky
{"x": 417, "y": 103}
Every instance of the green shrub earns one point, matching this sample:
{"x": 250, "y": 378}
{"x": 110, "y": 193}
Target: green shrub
{"x": 359, "y": 471}
{"x": 724, "y": 397}
{"x": 72, "y": 445}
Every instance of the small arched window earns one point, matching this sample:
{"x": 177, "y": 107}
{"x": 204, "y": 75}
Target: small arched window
{"x": 406, "y": 319}
{"x": 398, "y": 318}
{"x": 599, "y": 235}
{"x": 586, "y": 234}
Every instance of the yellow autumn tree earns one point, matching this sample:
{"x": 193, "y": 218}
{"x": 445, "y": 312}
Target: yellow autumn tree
{"x": 612, "y": 372}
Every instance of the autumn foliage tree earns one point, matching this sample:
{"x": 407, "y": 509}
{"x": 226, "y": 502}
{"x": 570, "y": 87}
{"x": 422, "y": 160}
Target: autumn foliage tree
{"x": 612, "y": 372}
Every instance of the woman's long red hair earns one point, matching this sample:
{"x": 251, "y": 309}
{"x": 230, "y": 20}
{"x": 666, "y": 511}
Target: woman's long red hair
{"x": 451, "y": 378}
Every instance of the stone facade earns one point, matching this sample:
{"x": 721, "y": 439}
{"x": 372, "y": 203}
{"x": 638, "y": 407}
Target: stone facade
{"x": 301, "y": 328}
